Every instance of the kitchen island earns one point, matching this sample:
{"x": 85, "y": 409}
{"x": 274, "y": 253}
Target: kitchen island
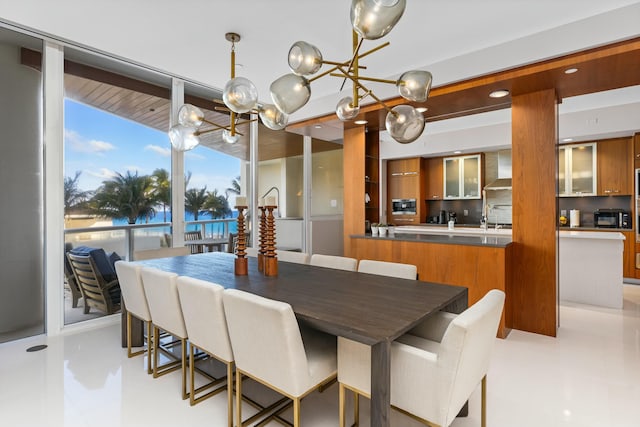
{"x": 477, "y": 262}
{"x": 590, "y": 265}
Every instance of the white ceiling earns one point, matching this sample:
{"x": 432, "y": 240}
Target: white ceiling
{"x": 455, "y": 39}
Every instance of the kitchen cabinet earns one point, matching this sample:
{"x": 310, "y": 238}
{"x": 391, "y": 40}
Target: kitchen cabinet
{"x": 434, "y": 179}
{"x": 614, "y": 167}
{"x": 577, "y": 170}
{"x": 629, "y": 254}
{"x": 462, "y": 177}
{"x": 406, "y": 181}
{"x": 372, "y": 177}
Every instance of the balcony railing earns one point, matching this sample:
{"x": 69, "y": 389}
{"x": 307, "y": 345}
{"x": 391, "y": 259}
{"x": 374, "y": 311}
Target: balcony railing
{"x": 128, "y": 238}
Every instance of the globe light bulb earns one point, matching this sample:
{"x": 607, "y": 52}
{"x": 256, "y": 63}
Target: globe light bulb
{"x": 404, "y": 123}
{"x": 183, "y": 138}
{"x": 373, "y": 19}
{"x": 304, "y": 58}
{"x": 228, "y": 138}
{"x": 240, "y": 95}
{"x": 414, "y": 85}
{"x": 273, "y": 118}
{"x": 345, "y": 109}
{"x": 190, "y": 115}
{"x": 290, "y": 93}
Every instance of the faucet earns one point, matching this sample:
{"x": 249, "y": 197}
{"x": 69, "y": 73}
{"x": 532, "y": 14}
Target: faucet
{"x": 277, "y": 213}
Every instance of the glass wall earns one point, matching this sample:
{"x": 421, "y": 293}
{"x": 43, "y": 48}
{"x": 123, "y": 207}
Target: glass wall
{"x": 21, "y": 171}
{"x": 117, "y": 164}
{"x": 213, "y": 169}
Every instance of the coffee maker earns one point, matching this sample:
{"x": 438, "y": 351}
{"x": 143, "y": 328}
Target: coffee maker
{"x": 452, "y": 217}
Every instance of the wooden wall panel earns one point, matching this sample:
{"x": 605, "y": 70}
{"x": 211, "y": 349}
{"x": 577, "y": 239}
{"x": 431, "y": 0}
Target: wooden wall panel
{"x": 534, "y": 147}
{"x": 354, "y": 161}
{"x": 477, "y": 268}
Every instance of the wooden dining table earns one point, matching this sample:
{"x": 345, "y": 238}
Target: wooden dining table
{"x": 371, "y": 309}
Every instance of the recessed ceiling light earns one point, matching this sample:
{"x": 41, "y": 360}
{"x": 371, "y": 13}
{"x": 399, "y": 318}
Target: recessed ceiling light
{"x": 361, "y": 122}
{"x": 421, "y": 109}
{"x": 457, "y": 152}
{"x": 570, "y": 70}
{"x": 567, "y": 140}
{"x": 318, "y": 126}
{"x": 499, "y": 93}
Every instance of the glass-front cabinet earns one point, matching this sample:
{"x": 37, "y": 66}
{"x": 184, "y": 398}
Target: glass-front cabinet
{"x": 462, "y": 177}
{"x": 577, "y": 170}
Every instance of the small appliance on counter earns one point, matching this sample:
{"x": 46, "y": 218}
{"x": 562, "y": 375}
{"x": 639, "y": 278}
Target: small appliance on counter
{"x": 574, "y": 218}
{"x": 612, "y": 218}
{"x": 452, "y": 217}
{"x": 443, "y": 218}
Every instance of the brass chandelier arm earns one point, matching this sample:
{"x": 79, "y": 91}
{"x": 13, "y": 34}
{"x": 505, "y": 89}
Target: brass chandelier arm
{"x": 371, "y": 79}
{"x": 353, "y": 64}
{"x": 362, "y": 67}
{"x": 375, "y": 49}
{"x": 329, "y": 71}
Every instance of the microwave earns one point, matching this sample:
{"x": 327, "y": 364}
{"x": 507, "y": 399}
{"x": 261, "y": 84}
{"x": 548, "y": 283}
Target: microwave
{"x": 611, "y": 218}
{"x": 403, "y": 206}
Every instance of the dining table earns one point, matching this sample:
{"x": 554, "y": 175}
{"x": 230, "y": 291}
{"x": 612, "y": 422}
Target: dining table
{"x": 371, "y": 309}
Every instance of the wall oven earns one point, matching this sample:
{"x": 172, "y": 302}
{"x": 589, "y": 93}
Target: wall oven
{"x": 403, "y": 206}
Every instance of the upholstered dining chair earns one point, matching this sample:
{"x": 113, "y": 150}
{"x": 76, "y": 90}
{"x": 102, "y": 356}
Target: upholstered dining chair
{"x": 161, "y": 289}
{"x": 206, "y": 325}
{"x": 289, "y": 359}
{"x": 434, "y": 368}
{"x": 392, "y": 269}
{"x": 332, "y": 261}
{"x": 136, "y": 304}
{"x": 291, "y": 256}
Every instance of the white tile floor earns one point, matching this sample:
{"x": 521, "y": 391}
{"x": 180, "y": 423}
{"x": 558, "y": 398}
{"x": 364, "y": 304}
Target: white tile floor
{"x": 588, "y": 376}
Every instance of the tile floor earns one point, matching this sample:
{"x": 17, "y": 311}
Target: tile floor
{"x": 588, "y": 376}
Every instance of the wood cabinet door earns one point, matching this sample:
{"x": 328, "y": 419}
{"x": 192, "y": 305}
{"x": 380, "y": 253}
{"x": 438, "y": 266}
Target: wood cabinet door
{"x": 629, "y": 255}
{"x": 614, "y": 167}
{"x": 434, "y": 179}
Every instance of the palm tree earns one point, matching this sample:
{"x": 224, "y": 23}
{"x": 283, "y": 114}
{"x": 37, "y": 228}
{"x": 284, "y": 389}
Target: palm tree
{"x": 194, "y": 200}
{"x": 235, "y": 187}
{"x": 217, "y": 204}
{"x": 74, "y": 198}
{"x": 162, "y": 189}
{"x": 127, "y": 196}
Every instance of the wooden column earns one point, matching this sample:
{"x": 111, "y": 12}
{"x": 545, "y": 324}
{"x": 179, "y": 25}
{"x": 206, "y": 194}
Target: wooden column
{"x": 533, "y": 290}
{"x": 354, "y": 161}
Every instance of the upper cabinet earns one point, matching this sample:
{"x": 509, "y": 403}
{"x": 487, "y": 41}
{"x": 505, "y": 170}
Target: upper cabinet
{"x": 577, "y": 170}
{"x": 434, "y": 178}
{"x": 463, "y": 177}
{"x": 614, "y": 167}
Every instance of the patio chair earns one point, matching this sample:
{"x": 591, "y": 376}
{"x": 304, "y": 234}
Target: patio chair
{"x": 194, "y": 235}
{"x": 99, "y": 293}
{"x": 70, "y": 279}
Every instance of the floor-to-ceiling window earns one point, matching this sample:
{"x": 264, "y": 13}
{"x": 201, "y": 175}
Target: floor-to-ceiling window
{"x": 21, "y": 192}
{"x": 117, "y": 165}
{"x": 213, "y": 168}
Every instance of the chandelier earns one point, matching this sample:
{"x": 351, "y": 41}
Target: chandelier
{"x": 239, "y": 96}
{"x": 371, "y": 20}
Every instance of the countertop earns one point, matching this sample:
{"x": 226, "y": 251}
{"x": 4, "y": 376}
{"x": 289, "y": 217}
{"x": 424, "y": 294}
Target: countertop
{"x": 445, "y": 238}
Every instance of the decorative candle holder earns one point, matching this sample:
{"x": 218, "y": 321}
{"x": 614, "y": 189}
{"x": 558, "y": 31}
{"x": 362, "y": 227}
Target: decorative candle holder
{"x": 270, "y": 257}
{"x": 263, "y": 236}
{"x": 241, "y": 267}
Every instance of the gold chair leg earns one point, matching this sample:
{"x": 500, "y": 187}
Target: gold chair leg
{"x": 156, "y": 339}
{"x": 183, "y": 353}
{"x": 238, "y": 399}
{"x": 296, "y": 412}
{"x": 356, "y": 409}
{"x": 483, "y": 404}
{"x": 230, "y": 393}
{"x": 150, "y": 349}
{"x": 341, "y": 394}
{"x": 192, "y": 370}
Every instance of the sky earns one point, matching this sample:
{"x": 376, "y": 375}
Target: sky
{"x": 98, "y": 144}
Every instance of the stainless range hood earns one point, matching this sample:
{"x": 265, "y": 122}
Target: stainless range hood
{"x": 504, "y": 172}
